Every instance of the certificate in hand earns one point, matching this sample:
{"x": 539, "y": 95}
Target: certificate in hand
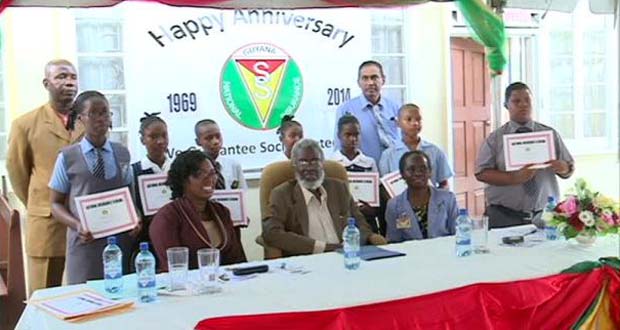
{"x": 107, "y": 213}
{"x": 234, "y": 200}
{"x": 364, "y": 186}
{"x": 154, "y": 193}
{"x": 393, "y": 183}
{"x": 528, "y": 148}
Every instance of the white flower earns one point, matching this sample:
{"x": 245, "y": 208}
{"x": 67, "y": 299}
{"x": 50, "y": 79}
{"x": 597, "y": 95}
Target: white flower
{"x": 587, "y": 218}
{"x": 547, "y": 217}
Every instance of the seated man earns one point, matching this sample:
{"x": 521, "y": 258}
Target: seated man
{"x": 310, "y": 212}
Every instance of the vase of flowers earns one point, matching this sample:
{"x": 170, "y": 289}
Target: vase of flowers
{"x": 584, "y": 214}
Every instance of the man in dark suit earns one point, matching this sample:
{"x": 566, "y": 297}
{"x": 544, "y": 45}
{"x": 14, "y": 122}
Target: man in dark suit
{"x": 310, "y": 212}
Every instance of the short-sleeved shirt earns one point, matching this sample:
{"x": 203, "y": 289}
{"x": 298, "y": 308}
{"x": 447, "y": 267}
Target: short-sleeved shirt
{"x": 439, "y": 162}
{"x": 60, "y": 179}
{"x": 232, "y": 172}
{"x": 361, "y": 108}
{"x": 491, "y": 156}
{"x": 361, "y": 162}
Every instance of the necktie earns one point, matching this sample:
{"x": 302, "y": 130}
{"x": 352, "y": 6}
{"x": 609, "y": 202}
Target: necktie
{"x": 219, "y": 185}
{"x": 530, "y": 186}
{"x": 99, "y": 169}
{"x": 384, "y": 136}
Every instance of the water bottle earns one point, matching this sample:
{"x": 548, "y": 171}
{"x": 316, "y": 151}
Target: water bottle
{"x": 113, "y": 268}
{"x": 551, "y": 232}
{"x": 463, "y": 234}
{"x": 145, "y": 273}
{"x": 351, "y": 242}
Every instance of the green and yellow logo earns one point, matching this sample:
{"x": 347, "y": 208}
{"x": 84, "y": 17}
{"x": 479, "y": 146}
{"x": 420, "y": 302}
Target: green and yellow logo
{"x": 260, "y": 83}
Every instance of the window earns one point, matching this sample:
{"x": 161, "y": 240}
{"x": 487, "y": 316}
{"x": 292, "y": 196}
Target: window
{"x": 101, "y": 66}
{"x": 387, "y": 49}
{"x": 579, "y": 80}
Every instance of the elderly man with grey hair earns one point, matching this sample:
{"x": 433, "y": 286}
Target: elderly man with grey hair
{"x": 310, "y": 211}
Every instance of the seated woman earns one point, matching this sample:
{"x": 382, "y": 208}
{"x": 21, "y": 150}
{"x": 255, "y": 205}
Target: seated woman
{"x": 422, "y": 210}
{"x": 191, "y": 219}
{"x": 290, "y": 132}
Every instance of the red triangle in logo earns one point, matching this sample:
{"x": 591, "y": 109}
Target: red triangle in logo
{"x": 269, "y": 65}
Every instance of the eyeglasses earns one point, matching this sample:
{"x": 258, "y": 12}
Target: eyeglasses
{"x": 201, "y": 174}
{"x": 97, "y": 114}
{"x": 309, "y": 162}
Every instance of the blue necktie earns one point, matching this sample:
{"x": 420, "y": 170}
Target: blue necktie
{"x": 99, "y": 169}
{"x": 384, "y": 136}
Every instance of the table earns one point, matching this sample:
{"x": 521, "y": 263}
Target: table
{"x": 430, "y": 266}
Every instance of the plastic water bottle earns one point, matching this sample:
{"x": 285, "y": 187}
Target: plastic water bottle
{"x": 351, "y": 240}
{"x": 463, "y": 234}
{"x": 551, "y": 232}
{"x": 145, "y": 272}
{"x": 113, "y": 268}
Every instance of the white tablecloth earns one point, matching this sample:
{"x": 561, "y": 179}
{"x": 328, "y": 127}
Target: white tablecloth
{"x": 430, "y": 266}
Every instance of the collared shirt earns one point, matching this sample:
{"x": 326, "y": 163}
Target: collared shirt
{"x": 439, "y": 162}
{"x": 320, "y": 222}
{"x": 491, "y": 156}
{"x": 232, "y": 173}
{"x": 361, "y": 108}
{"x": 146, "y": 163}
{"x": 361, "y": 162}
{"x": 60, "y": 179}
{"x": 442, "y": 213}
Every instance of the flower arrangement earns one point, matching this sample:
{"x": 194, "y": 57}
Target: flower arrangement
{"x": 585, "y": 212}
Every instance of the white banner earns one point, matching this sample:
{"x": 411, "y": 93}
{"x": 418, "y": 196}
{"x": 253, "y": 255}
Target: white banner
{"x": 243, "y": 68}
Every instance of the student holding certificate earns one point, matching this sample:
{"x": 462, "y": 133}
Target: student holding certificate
{"x": 191, "y": 219}
{"x": 290, "y": 131}
{"x": 518, "y": 197}
{"x": 93, "y": 165}
{"x": 422, "y": 211}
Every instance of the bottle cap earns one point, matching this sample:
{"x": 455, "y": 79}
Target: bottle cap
{"x": 144, "y": 246}
{"x": 463, "y": 212}
{"x": 351, "y": 221}
{"x": 550, "y": 199}
{"x": 112, "y": 240}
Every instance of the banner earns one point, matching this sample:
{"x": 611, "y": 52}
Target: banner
{"x": 243, "y": 68}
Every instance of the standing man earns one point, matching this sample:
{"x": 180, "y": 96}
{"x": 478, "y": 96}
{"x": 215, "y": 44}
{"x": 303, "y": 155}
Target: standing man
{"x": 34, "y": 142}
{"x": 518, "y": 197}
{"x": 376, "y": 114}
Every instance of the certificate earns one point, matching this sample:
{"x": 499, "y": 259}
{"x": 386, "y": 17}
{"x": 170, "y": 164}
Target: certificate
{"x": 234, "y": 200}
{"x": 528, "y": 148}
{"x": 393, "y": 183}
{"x": 154, "y": 193}
{"x": 364, "y": 186}
{"x": 107, "y": 213}
{"x": 77, "y": 305}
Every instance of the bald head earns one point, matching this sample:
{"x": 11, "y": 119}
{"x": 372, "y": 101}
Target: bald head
{"x": 61, "y": 83}
{"x": 57, "y": 62}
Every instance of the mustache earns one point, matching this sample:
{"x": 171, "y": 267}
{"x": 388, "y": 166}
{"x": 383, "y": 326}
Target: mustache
{"x": 311, "y": 185}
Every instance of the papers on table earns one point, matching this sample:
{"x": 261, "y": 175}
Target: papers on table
{"x": 154, "y": 193}
{"x": 364, "y": 186}
{"x": 234, "y": 200}
{"x": 82, "y": 304}
{"x": 393, "y": 183}
{"x": 107, "y": 213}
{"x": 528, "y": 148}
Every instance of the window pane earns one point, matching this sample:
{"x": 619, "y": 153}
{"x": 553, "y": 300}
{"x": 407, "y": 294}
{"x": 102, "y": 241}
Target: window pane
{"x": 561, "y": 70}
{"x": 387, "y": 16}
{"x": 595, "y": 125}
{"x": 594, "y": 97}
{"x": 393, "y": 68}
{"x": 594, "y": 42}
{"x": 117, "y": 108}
{"x": 561, "y": 42}
{"x": 565, "y": 124}
{"x": 562, "y": 99}
{"x": 387, "y": 39}
{"x": 101, "y": 73}
{"x": 396, "y": 94}
{"x": 3, "y": 146}
{"x": 99, "y": 36}
{"x": 2, "y": 118}
{"x": 119, "y": 137}
{"x": 594, "y": 69}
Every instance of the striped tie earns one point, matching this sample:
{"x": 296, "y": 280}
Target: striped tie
{"x": 99, "y": 169}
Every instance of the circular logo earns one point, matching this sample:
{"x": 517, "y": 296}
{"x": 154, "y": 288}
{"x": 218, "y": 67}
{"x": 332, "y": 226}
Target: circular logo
{"x": 260, "y": 83}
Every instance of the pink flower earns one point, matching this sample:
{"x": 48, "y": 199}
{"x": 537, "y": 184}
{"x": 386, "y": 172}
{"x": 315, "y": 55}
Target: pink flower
{"x": 608, "y": 217}
{"x": 569, "y": 206}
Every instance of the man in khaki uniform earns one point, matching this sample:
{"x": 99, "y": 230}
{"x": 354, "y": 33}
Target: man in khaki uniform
{"x": 34, "y": 142}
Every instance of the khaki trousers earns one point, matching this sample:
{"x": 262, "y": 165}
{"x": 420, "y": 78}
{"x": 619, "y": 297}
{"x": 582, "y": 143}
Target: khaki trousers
{"x": 44, "y": 272}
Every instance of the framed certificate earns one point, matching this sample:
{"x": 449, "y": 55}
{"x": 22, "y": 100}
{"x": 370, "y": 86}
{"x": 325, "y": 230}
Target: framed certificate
{"x": 154, "y": 193}
{"x": 528, "y": 148}
{"x": 364, "y": 186}
{"x": 234, "y": 200}
{"x": 393, "y": 183}
{"x": 107, "y": 213}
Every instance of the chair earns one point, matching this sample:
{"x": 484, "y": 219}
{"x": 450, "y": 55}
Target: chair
{"x": 12, "y": 300}
{"x": 277, "y": 173}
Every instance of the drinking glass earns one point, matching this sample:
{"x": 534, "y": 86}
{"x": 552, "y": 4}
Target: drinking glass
{"x": 177, "y": 268}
